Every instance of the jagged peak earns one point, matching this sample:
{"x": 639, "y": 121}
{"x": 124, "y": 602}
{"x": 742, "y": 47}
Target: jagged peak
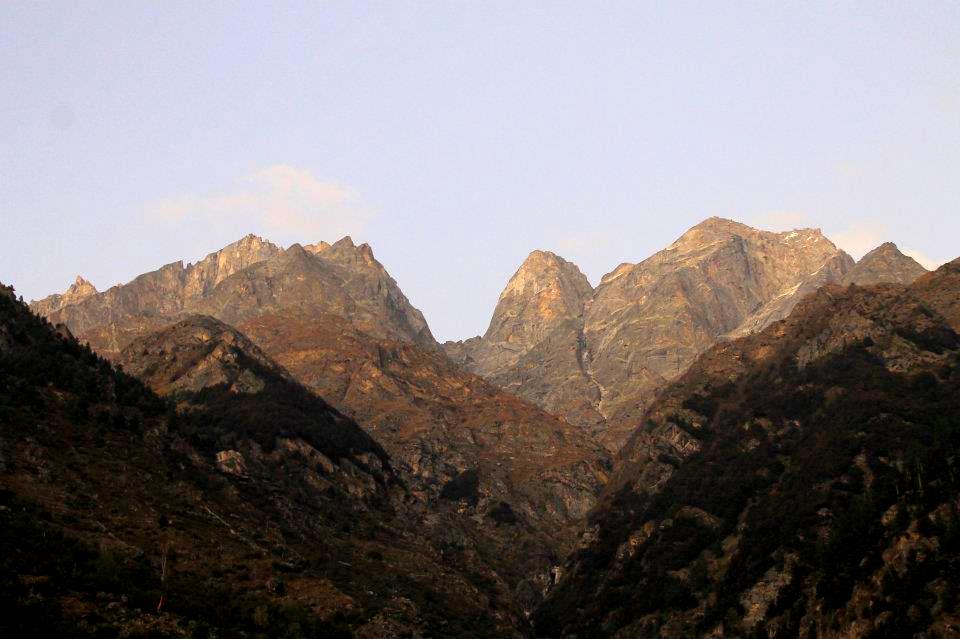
{"x": 538, "y": 257}
{"x": 247, "y": 242}
{"x": 886, "y": 247}
{"x": 344, "y": 250}
{"x": 563, "y": 287}
{"x": 295, "y": 250}
{"x": 717, "y": 222}
{"x": 319, "y": 247}
{"x": 715, "y": 230}
{"x": 366, "y": 249}
{"x": 885, "y": 264}
{"x": 81, "y": 288}
{"x": 540, "y": 267}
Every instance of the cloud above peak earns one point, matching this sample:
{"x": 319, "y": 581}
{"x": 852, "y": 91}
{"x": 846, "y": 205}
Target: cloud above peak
{"x": 859, "y": 240}
{"x": 281, "y": 201}
{"x": 925, "y": 260}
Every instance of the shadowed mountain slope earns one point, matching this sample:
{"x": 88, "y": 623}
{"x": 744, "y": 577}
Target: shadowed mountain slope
{"x": 798, "y": 482}
{"x": 253, "y": 508}
{"x": 523, "y": 477}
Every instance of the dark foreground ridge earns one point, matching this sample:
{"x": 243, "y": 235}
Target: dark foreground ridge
{"x": 251, "y": 510}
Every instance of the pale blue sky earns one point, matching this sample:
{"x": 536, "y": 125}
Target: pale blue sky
{"x": 455, "y": 137}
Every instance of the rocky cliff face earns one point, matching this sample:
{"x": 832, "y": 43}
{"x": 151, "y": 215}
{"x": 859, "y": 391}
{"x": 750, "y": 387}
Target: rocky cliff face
{"x": 111, "y": 319}
{"x": 601, "y": 363}
{"x": 544, "y": 293}
{"x": 884, "y": 264}
{"x": 247, "y": 277}
{"x": 797, "y": 482}
{"x": 343, "y": 280}
{"x": 648, "y": 321}
{"x": 534, "y": 346}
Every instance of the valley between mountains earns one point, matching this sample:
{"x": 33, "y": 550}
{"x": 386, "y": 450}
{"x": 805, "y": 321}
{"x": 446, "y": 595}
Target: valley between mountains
{"x": 747, "y": 433}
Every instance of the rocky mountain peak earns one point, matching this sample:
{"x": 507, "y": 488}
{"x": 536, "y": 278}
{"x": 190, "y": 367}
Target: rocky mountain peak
{"x": 546, "y": 289}
{"x": 319, "y": 247}
{"x": 249, "y": 277}
{"x": 345, "y": 252}
{"x": 885, "y": 264}
{"x": 80, "y": 289}
{"x": 716, "y": 229}
{"x": 542, "y": 270}
{"x": 597, "y": 356}
{"x": 200, "y": 278}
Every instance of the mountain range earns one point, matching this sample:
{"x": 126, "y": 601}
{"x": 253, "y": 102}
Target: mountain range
{"x": 599, "y": 355}
{"x": 691, "y": 447}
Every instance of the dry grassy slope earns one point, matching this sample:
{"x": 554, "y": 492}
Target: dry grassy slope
{"x": 801, "y": 481}
{"x": 196, "y": 352}
{"x": 99, "y": 482}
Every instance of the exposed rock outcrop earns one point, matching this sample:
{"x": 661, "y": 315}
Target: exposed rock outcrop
{"x": 534, "y": 345}
{"x": 246, "y": 278}
{"x": 601, "y": 362}
{"x": 80, "y": 290}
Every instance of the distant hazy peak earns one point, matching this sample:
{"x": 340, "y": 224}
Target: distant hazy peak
{"x": 885, "y": 264}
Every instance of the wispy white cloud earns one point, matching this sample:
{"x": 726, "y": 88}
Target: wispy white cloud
{"x": 867, "y": 236}
{"x": 925, "y": 260}
{"x": 860, "y": 239}
{"x": 279, "y": 200}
